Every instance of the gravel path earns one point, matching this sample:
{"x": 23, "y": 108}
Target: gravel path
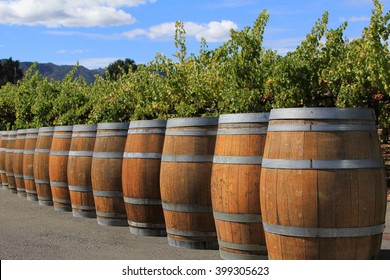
{"x": 34, "y": 232}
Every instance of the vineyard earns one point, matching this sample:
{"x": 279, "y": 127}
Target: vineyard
{"x": 241, "y": 76}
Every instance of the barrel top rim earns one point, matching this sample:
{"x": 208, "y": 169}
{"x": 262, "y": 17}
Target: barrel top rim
{"x": 148, "y": 123}
{"x": 85, "y": 127}
{"x": 64, "y": 128}
{"x": 32, "y": 130}
{"x": 194, "y": 121}
{"x": 22, "y": 131}
{"x": 244, "y": 118}
{"x": 113, "y": 125}
{"x": 322, "y": 113}
{"x": 46, "y": 129}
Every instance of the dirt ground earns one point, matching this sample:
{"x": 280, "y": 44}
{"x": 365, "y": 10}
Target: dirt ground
{"x": 33, "y": 232}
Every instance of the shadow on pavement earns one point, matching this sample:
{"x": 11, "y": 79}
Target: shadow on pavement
{"x": 384, "y": 255}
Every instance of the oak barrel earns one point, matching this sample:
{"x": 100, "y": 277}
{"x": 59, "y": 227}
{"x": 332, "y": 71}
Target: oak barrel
{"x": 235, "y": 185}
{"x": 41, "y": 165}
{"x": 106, "y": 172}
{"x": 18, "y": 162}
{"x": 79, "y": 170}
{"x": 185, "y": 182}
{"x": 141, "y": 177}
{"x": 28, "y": 163}
{"x": 9, "y": 159}
{"x": 323, "y": 184}
{"x": 58, "y": 166}
{"x": 3, "y": 148}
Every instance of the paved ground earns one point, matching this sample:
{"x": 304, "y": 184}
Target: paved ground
{"x": 31, "y": 231}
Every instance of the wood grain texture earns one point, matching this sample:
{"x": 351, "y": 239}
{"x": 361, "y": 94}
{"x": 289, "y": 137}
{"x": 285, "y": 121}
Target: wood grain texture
{"x": 28, "y": 164}
{"x": 235, "y": 189}
{"x": 349, "y": 198}
{"x": 141, "y": 178}
{"x": 185, "y": 185}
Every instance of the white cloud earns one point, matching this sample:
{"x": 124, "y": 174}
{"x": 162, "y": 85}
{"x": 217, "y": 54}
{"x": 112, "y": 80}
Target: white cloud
{"x": 55, "y": 13}
{"x": 214, "y": 31}
{"x": 75, "y": 51}
{"x": 283, "y": 46}
{"x": 358, "y": 19}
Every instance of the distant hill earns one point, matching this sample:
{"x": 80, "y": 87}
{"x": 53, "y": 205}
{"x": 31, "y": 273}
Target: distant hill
{"x": 58, "y": 72}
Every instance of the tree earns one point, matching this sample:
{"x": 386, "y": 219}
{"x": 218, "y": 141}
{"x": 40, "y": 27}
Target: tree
{"x": 10, "y": 72}
{"x": 120, "y": 67}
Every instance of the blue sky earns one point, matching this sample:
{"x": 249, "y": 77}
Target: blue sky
{"x": 98, "y": 32}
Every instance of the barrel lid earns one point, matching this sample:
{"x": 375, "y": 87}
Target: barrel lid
{"x": 195, "y": 121}
{"x": 113, "y": 125}
{"x": 244, "y": 118}
{"x": 148, "y": 123}
{"x": 85, "y": 128}
{"x": 22, "y": 131}
{"x": 46, "y": 129}
{"x": 32, "y": 130}
{"x": 322, "y": 113}
{"x": 64, "y": 128}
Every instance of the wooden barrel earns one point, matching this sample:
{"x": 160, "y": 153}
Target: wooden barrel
{"x": 141, "y": 177}
{"x": 106, "y": 172}
{"x": 79, "y": 170}
{"x": 41, "y": 165}
{"x": 9, "y": 159}
{"x": 235, "y": 185}
{"x": 28, "y": 163}
{"x": 3, "y": 148}
{"x": 322, "y": 184}
{"x": 58, "y": 166}
{"x": 18, "y": 162}
{"x": 185, "y": 182}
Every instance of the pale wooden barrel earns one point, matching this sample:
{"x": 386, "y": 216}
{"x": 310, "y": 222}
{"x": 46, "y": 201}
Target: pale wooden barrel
{"x": 41, "y": 165}
{"x": 106, "y": 172}
{"x": 58, "y": 166}
{"x": 28, "y": 163}
{"x": 185, "y": 182}
{"x": 141, "y": 177}
{"x": 79, "y": 170}
{"x": 235, "y": 185}
{"x": 9, "y": 159}
{"x": 323, "y": 184}
{"x": 18, "y": 162}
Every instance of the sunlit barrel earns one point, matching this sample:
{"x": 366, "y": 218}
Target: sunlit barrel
{"x": 141, "y": 177}
{"x": 79, "y": 170}
{"x": 185, "y": 182}
{"x": 18, "y": 162}
{"x": 106, "y": 172}
{"x": 3, "y": 148}
{"x": 235, "y": 185}
{"x": 28, "y": 163}
{"x": 9, "y": 159}
{"x": 58, "y": 166}
{"x": 323, "y": 184}
{"x": 41, "y": 165}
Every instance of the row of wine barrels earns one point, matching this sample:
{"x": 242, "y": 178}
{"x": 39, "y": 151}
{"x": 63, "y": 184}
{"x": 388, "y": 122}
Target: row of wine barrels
{"x": 305, "y": 183}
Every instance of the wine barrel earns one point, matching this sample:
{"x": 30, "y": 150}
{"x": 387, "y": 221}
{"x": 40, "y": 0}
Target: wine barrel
{"x": 79, "y": 170}
{"x": 3, "y": 148}
{"x": 18, "y": 162}
{"x": 141, "y": 177}
{"x": 322, "y": 184}
{"x": 235, "y": 185}
{"x": 58, "y": 166}
{"x": 9, "y": 159}
{"x": 41, "y": 165}
{"x": 28, "y": 163}
{"x": 185, "y": 182}
{"x": 106, "y": 172}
